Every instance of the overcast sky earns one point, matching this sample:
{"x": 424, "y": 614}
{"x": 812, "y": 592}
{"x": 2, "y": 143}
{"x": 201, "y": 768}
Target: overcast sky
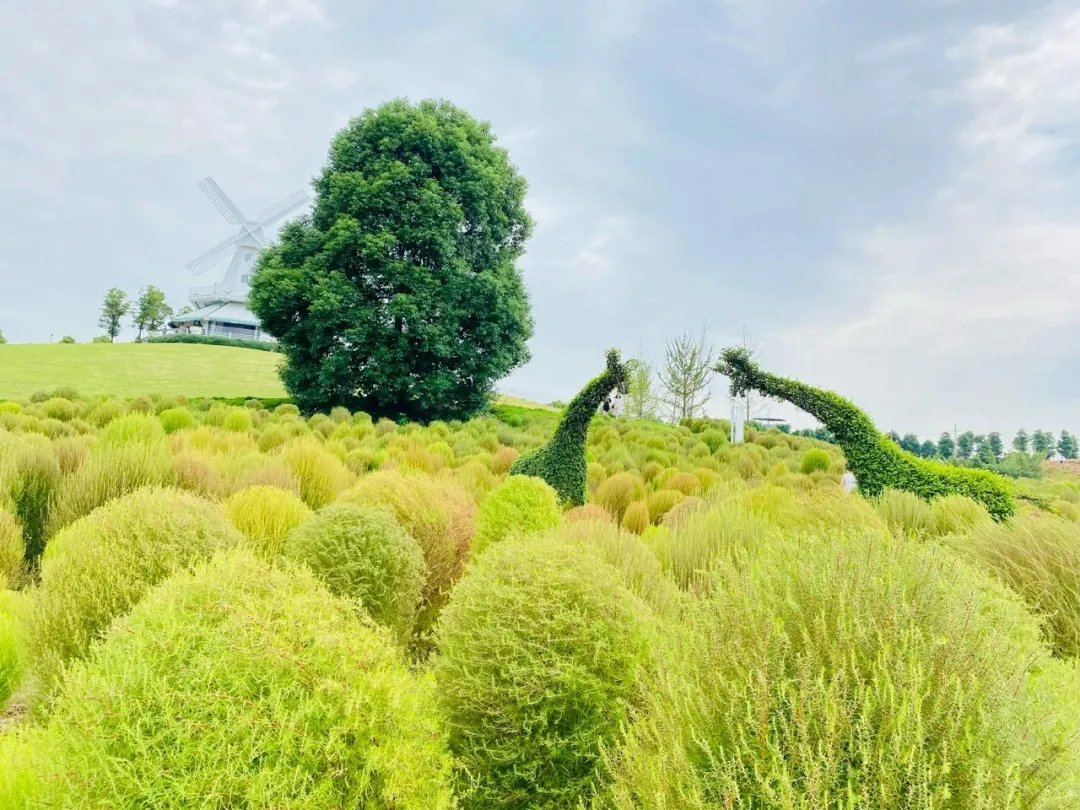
{"x": 883, "y": 194}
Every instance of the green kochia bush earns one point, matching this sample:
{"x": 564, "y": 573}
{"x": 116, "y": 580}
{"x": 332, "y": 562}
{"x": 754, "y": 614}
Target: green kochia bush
{"x": 1038, "y": 557}
{"x": 99, "y": 566}
{"x": 858, "y": 671}
{"x": 539, "y": 648}
{"x": 363, "y": 553}
{"x": 561, "y": 462}
{"x": 240, "y": 686}
{"x": 519, "y": 505}
{"x": 877, "y": 462}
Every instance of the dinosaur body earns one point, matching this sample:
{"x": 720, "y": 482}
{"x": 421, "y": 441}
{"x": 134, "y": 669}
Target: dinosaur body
{"x": 561, "y": 462}
{"x": 877, "y": 462}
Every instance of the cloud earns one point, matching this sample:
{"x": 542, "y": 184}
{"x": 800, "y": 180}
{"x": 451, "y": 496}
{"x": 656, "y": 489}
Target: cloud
{"x": 962, "y": 311}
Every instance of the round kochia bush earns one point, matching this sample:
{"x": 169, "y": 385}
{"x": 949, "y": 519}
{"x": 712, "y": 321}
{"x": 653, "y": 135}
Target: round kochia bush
{"x": 416, "y": 501}
{"x": 519, "y": 505}
{"x": 265, "y": 515}
{"x": 239, "y": 685}
{"x": 858, "y": 671}
{"x": 539, "y": 648}
{"x": 99, "y": 566}
{"x": 363, "y": 553}
{"x": 814, "y": 460}
{"x": 877, "y": 462}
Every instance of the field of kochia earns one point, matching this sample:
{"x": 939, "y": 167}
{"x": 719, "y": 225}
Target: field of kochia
{"x": 215, "y": 606}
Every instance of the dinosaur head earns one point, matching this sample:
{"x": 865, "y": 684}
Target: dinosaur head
{"x": 617, "y": 369}
{"x": 736, "y": 365}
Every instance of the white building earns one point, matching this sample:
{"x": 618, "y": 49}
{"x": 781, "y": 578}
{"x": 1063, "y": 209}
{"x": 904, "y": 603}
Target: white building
{"x": 222, "y": 309}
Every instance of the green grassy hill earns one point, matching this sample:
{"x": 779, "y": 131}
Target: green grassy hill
{"x": 131, "y": 369}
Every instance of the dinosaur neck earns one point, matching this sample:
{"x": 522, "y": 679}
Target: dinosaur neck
{"x": 582, "y": 408}
{"x": 840, "y": 417}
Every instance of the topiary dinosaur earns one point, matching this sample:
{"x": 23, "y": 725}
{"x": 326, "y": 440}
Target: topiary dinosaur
{"x": 561, "y": 462}
{"x": 877, "y": 462}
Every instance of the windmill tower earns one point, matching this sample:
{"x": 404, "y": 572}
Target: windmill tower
{"x": 222, "y": 308}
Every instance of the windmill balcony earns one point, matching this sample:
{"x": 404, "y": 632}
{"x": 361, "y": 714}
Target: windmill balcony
{"x": 212, "y": 293}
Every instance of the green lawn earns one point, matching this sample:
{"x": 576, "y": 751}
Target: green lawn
{"x": 132, "y": 369}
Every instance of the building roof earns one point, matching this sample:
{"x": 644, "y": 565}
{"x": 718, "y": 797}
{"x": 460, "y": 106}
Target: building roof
{"x": 221, "y": 312}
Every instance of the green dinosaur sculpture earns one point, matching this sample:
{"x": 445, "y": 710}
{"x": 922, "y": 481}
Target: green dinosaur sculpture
{"x": 561, "y": 462}
{"x": 877, "y": 462}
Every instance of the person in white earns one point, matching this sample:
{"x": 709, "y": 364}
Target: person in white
{"x": 617, "y": 405}
{"x": 848, "y": 482}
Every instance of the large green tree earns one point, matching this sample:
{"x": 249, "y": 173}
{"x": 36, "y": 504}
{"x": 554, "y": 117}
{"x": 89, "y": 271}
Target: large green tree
{"x": 113, "y": 309}
{"x": 400, "y": 293}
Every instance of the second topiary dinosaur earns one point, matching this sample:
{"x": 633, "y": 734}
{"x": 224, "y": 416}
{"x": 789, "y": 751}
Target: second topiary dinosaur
{"x": 877, "y": 462}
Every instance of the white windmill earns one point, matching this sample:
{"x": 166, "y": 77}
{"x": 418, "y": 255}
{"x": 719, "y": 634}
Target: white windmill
{"x": 222, "y": 308}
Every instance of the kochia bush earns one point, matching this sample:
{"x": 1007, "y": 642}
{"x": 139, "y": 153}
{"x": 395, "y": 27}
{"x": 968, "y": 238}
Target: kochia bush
{"x": 239, "y": 685}
{"x": 540, "y": 649}
{"x": 876, "y": 461}
{"x": 519, "y": 505}
{"x": 362, "y": 553}
{"x": 265, "y": 515}
{"x": 99, "y": 566}
{"x": 858, "y": 670}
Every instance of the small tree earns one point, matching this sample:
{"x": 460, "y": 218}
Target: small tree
{"x": 995, "y": 445}
{"x": 642, "y": 398}
{"x": 113, "y": 309}
{"x": 928, "y": 449}
{"x": 685, "y": 376}
{"x": 910, "y": 443}
{"x": 1021, "y": 442}
{"x": 1067, "y": 446}
{"x": 3, "y": 339}
{"x": 67, "y": 339}
{"x": 965, "y": 445}
{"x": 1042, "y": 442}
{"x": 946, "y": 447}
{"x": 151, "y": 311}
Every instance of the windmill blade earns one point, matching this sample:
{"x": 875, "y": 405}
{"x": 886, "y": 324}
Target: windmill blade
{"x": 201, "y": 263}
{"x": 222, "y": 203}
{"x": 280, "y": 209}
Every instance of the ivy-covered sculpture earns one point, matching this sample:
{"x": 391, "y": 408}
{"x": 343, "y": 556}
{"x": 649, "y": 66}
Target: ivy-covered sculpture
{"x": 877, "y": 462}
{"x": 561, "y": 462}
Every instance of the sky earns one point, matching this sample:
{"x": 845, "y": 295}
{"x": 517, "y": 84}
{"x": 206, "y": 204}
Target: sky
{"x": 882, "y": 196}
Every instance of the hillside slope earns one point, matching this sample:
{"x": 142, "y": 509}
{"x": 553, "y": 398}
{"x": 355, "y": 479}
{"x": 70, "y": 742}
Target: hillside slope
{"x": 131, "y": 369}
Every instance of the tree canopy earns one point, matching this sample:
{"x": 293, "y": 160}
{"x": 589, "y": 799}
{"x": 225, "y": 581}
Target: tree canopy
{"x": 399, "y": 294}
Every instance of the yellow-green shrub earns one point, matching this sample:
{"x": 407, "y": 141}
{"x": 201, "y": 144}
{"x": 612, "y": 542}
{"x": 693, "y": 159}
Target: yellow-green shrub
{"x": 957, "y": 513}
{"x": 906, "y": 512}
{"x": 813, "y": 460}
{"x": 416, "y": 502}
{"x": 109, "y": 471}
{"x": 661, "y": 502}
{"x": 683, "y": 510}
{"x": 618, "y": 492}
{"x": 12, "y": 550}
{"x": 243, "y": 686}
{"x": 503, "y": 459}
{"x": 855, "y": 671}
{"x": 174, "y": 419}
{"x": 362, "y": 553}
{"x": 699, "y": 543}
{"x": 539, "y": 649}
{"x": 265, "y": 515}
{"x": 1039, "y": 558}
{"x": 636, "y": 517}
{"x": 195, "y": 472}
{"x": 102, "y": 564}
{"x": 12, "y": 663}
{"x": 586, "y": 513}
{"x": 322, "y": 476}
{"x": 519, "y": 505}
